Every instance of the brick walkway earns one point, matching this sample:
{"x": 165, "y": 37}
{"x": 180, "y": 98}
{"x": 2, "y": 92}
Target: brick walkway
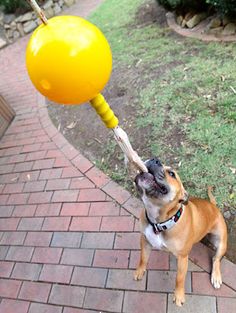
{"x": 69, "y": 235}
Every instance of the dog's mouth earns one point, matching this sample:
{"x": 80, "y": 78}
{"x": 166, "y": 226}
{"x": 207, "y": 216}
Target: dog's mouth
{"x": 153, "y": 182}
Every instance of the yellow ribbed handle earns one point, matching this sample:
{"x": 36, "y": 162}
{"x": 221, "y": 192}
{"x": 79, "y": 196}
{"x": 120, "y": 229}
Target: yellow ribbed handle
{"x": 104, "y": 111}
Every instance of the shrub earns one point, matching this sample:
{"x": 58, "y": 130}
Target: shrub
{"x": 224, "y": 7}
{"x": 10, "y": 6}
{"x": 183, "y": 5}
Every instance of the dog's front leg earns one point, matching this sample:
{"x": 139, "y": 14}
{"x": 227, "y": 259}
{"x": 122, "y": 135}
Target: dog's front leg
{"x": 182, "y": 267}
{"x": 144, "y": 256}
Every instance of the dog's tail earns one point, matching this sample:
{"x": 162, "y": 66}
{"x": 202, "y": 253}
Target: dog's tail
{"x": 210, "y": 195}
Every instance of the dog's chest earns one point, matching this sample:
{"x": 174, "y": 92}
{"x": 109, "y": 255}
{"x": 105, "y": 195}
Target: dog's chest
{"x": 156, "y": 240}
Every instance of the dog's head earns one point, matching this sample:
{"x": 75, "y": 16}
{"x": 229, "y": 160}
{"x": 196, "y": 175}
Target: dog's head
{"x": 161, "y": 185}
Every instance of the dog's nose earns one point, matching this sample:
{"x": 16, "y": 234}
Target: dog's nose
{"x": 155, "y": 167}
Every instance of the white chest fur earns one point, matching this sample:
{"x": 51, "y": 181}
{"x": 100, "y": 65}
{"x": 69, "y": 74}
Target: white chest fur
{"x": 156, "y": 240}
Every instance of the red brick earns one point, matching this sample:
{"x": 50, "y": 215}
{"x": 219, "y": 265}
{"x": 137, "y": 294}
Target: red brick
{"x": 97, "y": 177}
{"x": 43, "y": 138}
{"x": 4, "y": 199}
{"x": 40, "y": 197}
{"x": 65, "y": 196}
{"x": 29, "y": 176}
{"x": 59, "y": 140}
{"x": 107, "y": 300}
{"x": 6, "y": 269}
{"x": 104, "y": 208}
{"x": 12, "y": 151}
{"x": 72, "y": 310}
{"x": 54, "y": 154}
{"x": 4, "y": 169}
{"x": 91, "y": 277}
{"x": 58, "y": 184}
{"x": 66, "y": 239}
{"x": 98, "y": 240}
{"x": 6, "y": 210}
{"x": 82, "y": 223}
{"x": 123, "y": 279}
{"x": 159, "y": 260}
{"x": 34, "y": 186}
{"x": 24, "y": 210}
{"x": 20, "y": 198}
{"x": 67, "y": 295}
{"x": 30, "y": 223}
{"x": 33, "y": 291}
{"x": 13, "y": 188}
{"x": 82, "y": 163}
{"x": 17, "y": 158}
{"x": 26, "y": 271}
{"x": 80, "y": 257}
{"x": 51, "y": 173}
{"x": 23, "y": 167}
{"x": 119, "y": 223}
{"x": 71, "y": 172}
{"x": 202, "y": 285}
{"x": 10, "y": 306}
{"x": 43, "y": 164}
{"x": 127, "y": 241}
{"x": 116, "y": 192}
{"x": 8, "y": 178}
{"x": 138, "y": 302}
{"x": 48, "y": 146}
{"x": 16, "y": 253}
{"x": 111, "y": 258}
{"x": 69, "y": 151}
{"x": 33, "y": 156}
{"x": 39, "y": 132}
{"x": 56, "y": 273}
{"x": 81, "y": 183}
{"x": 3, "y": 252}
{"x": 61, "y": 162}
{"x": 47, "y": 255}
{"x": 38, "y": 239}
{"x": 202, "y": 256}
{"x": 31, "y": 148}
{"x": 8, "y": 223}
{"x": 228, "y": 270}
{"x": 91, "y": 195}
{"x": 9, "y": 288}
{"x": 56, "y": 223}
{"x": 226, "y": 305}
{"x": 13, "y": 238}
{"x": 75, "y": 209}
{"x": 44, "y": 308}
{"x": 48, "y": 209}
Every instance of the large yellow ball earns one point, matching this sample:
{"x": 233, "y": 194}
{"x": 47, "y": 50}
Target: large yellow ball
{"x": 68, "y": 60}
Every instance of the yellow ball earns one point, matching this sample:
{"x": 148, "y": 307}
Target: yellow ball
{"x": 68, "y": 60}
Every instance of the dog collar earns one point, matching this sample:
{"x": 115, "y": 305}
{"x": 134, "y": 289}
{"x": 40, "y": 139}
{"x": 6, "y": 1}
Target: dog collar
{"x": 168, "y": 224}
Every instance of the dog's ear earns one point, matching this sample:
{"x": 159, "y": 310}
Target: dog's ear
{"x": 184, "y": 198}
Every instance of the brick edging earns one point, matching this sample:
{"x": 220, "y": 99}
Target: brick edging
{"x": 130, "y": 203}
{"x": 170, "y": 17}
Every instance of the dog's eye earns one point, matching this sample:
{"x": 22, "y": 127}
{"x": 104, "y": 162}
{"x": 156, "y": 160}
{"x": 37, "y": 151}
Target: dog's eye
{"x": 172, "y": 174}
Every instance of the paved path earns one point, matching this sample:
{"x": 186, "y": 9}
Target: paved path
{"x": 68, "y": 234}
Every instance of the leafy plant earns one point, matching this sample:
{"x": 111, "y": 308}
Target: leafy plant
{"x": 10, "y": 6}
{"x": 225, "y": 7}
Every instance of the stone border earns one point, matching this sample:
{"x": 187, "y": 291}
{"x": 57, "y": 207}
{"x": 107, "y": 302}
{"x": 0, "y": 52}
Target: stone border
{"x": 196, "y": 32}
{"x": 16, "y": 27}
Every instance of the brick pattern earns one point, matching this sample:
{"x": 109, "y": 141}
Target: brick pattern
{"x": 69, "y": 237}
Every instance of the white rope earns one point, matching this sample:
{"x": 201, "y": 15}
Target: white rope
{"x": 125, "y": 145}
{"x": 38, "y": 11}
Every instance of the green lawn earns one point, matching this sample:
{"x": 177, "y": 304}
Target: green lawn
{"x": 185, "y": 105}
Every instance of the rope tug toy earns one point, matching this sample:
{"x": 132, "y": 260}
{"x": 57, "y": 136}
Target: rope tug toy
{"x": 69, "y": 61}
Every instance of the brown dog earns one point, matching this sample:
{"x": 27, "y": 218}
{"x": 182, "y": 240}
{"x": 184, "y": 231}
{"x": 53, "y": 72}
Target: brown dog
{"x": 172, "y": 222}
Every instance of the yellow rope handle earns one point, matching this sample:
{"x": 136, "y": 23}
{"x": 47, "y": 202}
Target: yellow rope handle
{"x": 104, "y": 111}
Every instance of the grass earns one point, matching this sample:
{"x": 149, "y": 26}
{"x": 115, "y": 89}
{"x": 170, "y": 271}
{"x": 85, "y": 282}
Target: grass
{"x": 185, "y": 99}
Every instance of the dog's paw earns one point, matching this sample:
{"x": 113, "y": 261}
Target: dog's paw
{"x": 179, "y": 298}
{"x": 216, "y": 280}
{"x": 138, "y": 275}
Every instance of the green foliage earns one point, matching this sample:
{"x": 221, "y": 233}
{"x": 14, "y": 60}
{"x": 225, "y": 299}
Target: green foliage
{"x": 183, "y": 4}
{"x": 10, "y": 6}
{"x": 226, "y": 7}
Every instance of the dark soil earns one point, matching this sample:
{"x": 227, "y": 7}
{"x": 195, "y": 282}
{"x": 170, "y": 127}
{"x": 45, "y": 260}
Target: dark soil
{"x": 95, "y": 141}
